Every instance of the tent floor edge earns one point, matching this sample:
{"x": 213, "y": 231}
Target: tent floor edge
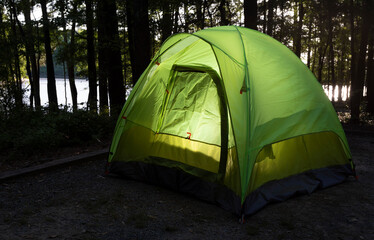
{"x": 178, "y": 180}
{"x": 300, "y": 184}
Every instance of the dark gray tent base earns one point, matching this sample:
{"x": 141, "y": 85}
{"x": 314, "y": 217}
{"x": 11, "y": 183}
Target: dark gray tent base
{"x": 274, "y": 191}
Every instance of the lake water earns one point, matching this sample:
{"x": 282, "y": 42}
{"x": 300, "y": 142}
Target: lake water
{"x": 64, "y": 96}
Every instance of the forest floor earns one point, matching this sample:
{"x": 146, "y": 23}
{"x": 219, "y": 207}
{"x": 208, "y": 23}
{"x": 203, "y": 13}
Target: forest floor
{"x": 77, "y": 202}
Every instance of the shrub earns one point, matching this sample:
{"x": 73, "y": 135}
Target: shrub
{"x": 26, "y": 132}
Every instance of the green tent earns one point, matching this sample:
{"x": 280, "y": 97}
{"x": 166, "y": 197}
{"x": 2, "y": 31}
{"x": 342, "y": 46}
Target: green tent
{"x": 232, "y": 116}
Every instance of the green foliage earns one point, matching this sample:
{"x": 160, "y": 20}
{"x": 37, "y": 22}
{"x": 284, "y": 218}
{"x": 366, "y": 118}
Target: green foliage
{"x": 25, "y": 132}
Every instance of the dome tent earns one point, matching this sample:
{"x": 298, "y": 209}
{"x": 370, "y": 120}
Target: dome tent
{"x": 232, "y": 116}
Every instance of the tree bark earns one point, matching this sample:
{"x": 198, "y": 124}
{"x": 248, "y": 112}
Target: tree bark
{"x": 17, "y": 90}
{"x": 51, "y": 81}
{"x": 370, "y": 75}
{"x": 270, "y": 20}
{"x": 166, "y": 21}
{"x": 309, "y": 42}
{"x": 70, "y": 49}
{"x": 139, "y": 38}
{"x": 35, "y": 82}
{"x": 223, "y": 12}
{"x": 91, "y": 59}
{"x": 199, "y": 14}
{"x": 331, "y": 48}
{"x": 102, "y": 58}
{"x": 113, "y": 62}
{"x": 299, "y": 32}
{"x": 250, "y": 14}
{"x": 358, "y": 83}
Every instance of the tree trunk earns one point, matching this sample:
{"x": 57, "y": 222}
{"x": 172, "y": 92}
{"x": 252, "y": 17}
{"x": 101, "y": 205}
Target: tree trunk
{"x": 370, "y": 75}
{"x": 17, "y": 90}
{"x": 91, "y": 60}
{"x": 166, "y": 21}
{"x": 223, "y": 12}
{"x": 209, "y": 13}
{"x": 103, "y": 76}
{"x": 358, "y": 83}
{"x": 321, "y": 59}
{"x": 35, "y": 82}
{"x": 270, "y": 20}
{"x": 309, "y": 42}
{"x": 331, "y": 48}
{"x": 299, "y": 31}
{"x": 70, "y": 50}
{"x": 250, "y": 14}
{"x": 176, "y": 17}
{"x": 51, "y": 81}
{"x": 113, "y": 62}
{"x": 199, "y": 14}
{"x": 71, "y": 61}
{"x": 265, "y": 17}
{"x": 139, "y": 38}
{"x": 281, "y": 25}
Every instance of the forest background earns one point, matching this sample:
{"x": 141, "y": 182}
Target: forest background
{"x": 110, "y": 43}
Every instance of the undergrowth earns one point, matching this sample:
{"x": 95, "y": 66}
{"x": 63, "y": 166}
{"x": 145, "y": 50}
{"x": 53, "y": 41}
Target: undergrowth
{"x": 25, "y": 132}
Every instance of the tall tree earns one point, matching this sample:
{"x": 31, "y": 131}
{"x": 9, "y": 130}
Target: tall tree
{"x": 223, "y": 10}
{"x": 200, "y": 12}
{"x": 109, "y": 45}
{"x": 330, "y": 9}
{"x": 35, "y": 82}
{"x": 166, "y": 21}
{"x": 17, "y": 85}
{"x": 139, "y": 38}
{"x": 370, "y": 74}
{"x": 51, "y": 81}
{"x": 91, "y": 59}
{"x": 70, "y": 48}
{"x": 299, "y": 32}
{"x": 250, "y": 14}
{"x": 270, "y": 20}
{"x": 102, "y": 58}
{"x": 357, "y": 83}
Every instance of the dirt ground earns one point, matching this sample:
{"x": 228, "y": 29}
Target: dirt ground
{"x": 77, "y": 202}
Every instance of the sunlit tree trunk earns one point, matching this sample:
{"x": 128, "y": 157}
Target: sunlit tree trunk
{"x": 309, "y": 42}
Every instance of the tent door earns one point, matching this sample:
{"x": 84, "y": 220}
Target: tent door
{"x": 195, "y": 108}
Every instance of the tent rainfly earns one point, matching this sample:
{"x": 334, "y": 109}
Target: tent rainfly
{"x": 232, "y": 116}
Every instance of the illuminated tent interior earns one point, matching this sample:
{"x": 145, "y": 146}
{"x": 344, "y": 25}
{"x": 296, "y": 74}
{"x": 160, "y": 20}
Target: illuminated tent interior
{"x": 231, "y": 116}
